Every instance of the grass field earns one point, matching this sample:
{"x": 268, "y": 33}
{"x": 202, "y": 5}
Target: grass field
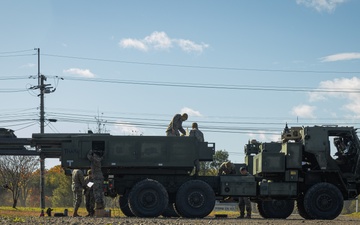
{"x": 115, "y": 212}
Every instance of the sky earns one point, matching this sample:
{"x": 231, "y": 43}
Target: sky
{"x": 240, "y": 69}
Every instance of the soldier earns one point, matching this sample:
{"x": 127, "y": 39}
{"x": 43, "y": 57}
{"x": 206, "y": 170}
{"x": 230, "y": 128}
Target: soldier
{"x": 244, "y": 202}
{"x": 227, "y": 168}
{"x": 176, "y": 125}
{"x": 98, "y": 177}
{"x": 89, "y": 194}
{"x": 78, "y": 184}
{"x": 196, "y": 133}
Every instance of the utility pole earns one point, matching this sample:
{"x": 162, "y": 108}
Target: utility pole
{"x": 41, "y": 87}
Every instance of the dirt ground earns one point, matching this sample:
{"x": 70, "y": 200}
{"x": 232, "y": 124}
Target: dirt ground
{"x": 293, "y": 219}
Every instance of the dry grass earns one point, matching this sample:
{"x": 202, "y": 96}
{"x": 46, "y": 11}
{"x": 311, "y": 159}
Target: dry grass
{"x": 115, "y": 212}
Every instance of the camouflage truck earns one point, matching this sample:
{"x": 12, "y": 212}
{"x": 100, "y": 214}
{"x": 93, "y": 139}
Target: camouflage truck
{"x": 302, "y": 168}
{"x": 157, "y": 175}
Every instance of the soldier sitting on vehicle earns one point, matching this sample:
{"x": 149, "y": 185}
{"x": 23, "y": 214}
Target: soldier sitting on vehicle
{"x": 195, "y": 132}
{"x": 227, "y": 168}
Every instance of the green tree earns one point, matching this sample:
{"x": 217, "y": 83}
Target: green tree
{"x": 58, "y": 187}
{"x": 211, "y": 168}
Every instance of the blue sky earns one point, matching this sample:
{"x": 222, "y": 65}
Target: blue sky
{"x": 241, "y": 69}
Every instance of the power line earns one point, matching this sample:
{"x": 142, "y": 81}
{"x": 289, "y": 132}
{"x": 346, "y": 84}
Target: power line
{"x": 203, "y": 67}
{"x": 3, "y": 56}
{"x": 12, "y": 52}
{"x": 216, "y": 86}
{"x": 14, "y": 77}
{"x": 12, "y": 90}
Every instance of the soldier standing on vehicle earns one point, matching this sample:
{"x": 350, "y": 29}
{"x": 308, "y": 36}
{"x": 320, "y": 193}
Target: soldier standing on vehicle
{"x": 98, "y": 177}
{"x": 89, "y": 194}
{"x": 78, "y": 184}
{"x": 227, "y": 168}
{"x": 195, "y": 132}
{"x": 176, "y": 125}
{"x": 244, "y": 202}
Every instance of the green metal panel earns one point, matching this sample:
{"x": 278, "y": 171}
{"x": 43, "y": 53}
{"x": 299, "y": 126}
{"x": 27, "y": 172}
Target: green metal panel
{"x": 278, "y": 189}
{"x": 291, "y": 175}
{"x": 316, "y": 141}
{"x": 249, "y": 161}
{"x": 293, "y": 155}
{"x": 269, "y": 162}
{"x": 137, "y": 151}
{"x": 236, "y": 185}
{"x": 270, "y": 147}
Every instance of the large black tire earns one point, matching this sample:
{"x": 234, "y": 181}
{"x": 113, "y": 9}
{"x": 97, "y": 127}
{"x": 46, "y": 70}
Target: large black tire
{"x": 301, "y": 208}
{"x": 148, "y": 198}
{"x": 261, "y": 210}
{"x": 170, "y": 211}
{"x": 323, "y": 201}
{"x": 276, "y": 209}
{"x": 195, "y": 199}
{"x": 124, "y": 205}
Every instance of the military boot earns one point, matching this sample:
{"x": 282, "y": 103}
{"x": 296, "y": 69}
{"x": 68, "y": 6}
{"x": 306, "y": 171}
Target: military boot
{"x": 241, "y": 216}
{"x": 75, "y": 214}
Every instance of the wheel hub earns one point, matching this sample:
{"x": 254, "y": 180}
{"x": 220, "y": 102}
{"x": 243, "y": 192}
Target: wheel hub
{"x": 148, "y": 199}
{"x": 324, "y": 202}
{"x": 196, "y": 199}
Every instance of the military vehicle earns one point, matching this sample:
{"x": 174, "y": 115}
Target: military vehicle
{"x": 155, "y": 175}
{"x": 302, "y": 168}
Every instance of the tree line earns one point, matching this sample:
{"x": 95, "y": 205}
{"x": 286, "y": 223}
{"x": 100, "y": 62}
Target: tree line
{"x": 20, "y": 183}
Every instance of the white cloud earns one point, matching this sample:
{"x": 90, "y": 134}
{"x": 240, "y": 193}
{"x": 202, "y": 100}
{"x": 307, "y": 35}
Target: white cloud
{"x": 123, "y": 128}
{"x": 303, "y": 111}
{"x": 161, "y": 41}
{"x": 321, "y": 5}
{"x": 190, "y": 112}
{"x": 189, "y": 46}
{"x": 262, "y": 137}
{"x": 341, "y": 57}
{"x": 81, "y": 72}
{"x": 351, "y": 98}
{"x": 133, "y": 43}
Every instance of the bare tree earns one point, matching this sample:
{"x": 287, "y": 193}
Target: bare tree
{"x": 15, "y": 175}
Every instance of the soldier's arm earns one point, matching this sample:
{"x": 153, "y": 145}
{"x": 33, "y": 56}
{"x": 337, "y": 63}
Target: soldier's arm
{"x": 181, "y": 129}
{"x": 175, "y": 120}
{"x": 90, "y": 155}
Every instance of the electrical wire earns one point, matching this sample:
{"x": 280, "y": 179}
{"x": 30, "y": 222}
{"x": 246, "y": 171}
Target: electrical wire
{"x": 12, "y": 52}
{"x": 202, "y": 67}
{"x": 216, "y": 86}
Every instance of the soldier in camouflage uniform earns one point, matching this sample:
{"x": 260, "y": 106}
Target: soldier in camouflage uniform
{"x": 227, "y": 168}
{"x": 244, "y": 202}
{"x": 89, "y": 195}
{"x": 176, "y": 125}
{"x": 98, "y": 177}
{"x": 195, "y": 132}
{"x": 78, "y": 184}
